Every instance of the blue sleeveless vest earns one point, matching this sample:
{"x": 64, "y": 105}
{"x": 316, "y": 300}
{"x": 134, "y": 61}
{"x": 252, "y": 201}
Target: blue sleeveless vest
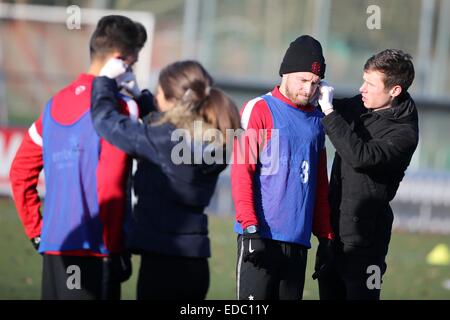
{"x": 286, "y": 176}
{"x": 71, "y": 219}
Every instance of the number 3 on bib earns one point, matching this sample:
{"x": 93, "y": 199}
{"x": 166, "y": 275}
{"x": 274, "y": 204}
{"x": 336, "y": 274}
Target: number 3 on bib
{"x": 305, "y": 172}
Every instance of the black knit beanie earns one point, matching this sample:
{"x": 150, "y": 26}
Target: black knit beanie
{"x": 304, "y": 55}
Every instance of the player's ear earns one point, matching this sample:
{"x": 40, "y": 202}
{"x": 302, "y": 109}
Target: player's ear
{"x": 395, "y": 91}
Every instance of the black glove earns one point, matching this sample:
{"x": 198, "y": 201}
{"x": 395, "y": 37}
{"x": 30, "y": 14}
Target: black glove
{"x": 121, "y": 267}
{"x": 254, "y": 248}
{"x": 146, "y": 102}
{"x": 36, "y": 241}
{"x": 324, "y": 258}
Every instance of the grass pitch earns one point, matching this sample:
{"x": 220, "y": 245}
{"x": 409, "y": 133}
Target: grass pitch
{"x": 408, "y": 275}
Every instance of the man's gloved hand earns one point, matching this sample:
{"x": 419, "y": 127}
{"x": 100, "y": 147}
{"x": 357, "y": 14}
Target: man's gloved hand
{"x": 326, "y": 97}
{"x": 36, "y": 241}
{"x": 113, "y": 68}
{"x": 121, "y": 266}
{"x": 129, "y": 83}
{"x": 324, "y": 258}
{"x": 254, "y": 248}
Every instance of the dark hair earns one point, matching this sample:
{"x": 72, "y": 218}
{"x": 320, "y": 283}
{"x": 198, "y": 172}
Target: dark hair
{"x": 190, "y": 86}
{"x": 119, "y": 33}
{"x": 396, "y": 65}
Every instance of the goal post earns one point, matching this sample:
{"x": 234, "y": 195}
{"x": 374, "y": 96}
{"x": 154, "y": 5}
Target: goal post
{"x": 44, "y": 46}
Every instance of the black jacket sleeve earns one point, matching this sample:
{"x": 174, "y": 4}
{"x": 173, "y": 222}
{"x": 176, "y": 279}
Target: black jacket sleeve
{"x": 395, "y": 146}
{"x": 132, "y": 137}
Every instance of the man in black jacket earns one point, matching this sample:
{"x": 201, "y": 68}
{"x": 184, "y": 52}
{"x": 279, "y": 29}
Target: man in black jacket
{"x": 375, "y": 135}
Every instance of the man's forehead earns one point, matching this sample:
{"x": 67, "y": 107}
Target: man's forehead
{"x": 306, "y": 75}
{"x": 373, "y": 75}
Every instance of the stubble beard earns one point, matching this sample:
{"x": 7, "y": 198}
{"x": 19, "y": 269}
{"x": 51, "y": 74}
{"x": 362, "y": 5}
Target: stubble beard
{"x": 296, "y": 98}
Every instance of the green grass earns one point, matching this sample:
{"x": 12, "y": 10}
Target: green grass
{"x": 408, "y": 275}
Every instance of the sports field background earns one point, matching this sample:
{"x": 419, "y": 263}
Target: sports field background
{"x": 408, "y": 275}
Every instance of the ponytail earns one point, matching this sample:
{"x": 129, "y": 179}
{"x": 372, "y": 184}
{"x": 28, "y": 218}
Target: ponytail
{"x": 190, "y": 85}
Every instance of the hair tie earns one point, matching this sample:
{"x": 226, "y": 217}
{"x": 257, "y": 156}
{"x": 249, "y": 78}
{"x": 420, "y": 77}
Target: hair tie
{"x": 207, "y": 90}
{"x": 187, "y": 95}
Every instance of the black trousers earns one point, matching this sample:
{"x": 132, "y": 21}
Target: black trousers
{"x": 282, "y": 277}
{"x": 78, "y": 278}
{"x": 352, "y": 277}
{"x": 164, "y": 277}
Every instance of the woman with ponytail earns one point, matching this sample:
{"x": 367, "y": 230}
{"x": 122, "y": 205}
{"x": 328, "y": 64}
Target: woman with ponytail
{"x": 173, "y": 186}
